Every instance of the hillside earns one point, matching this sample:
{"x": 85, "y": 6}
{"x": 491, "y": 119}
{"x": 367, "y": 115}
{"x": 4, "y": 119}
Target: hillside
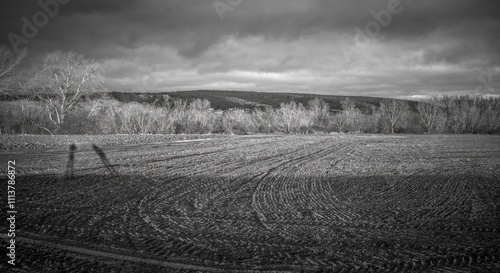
{"x": 244, "y": 99}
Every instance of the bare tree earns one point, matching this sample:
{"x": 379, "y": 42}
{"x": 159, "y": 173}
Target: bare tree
{"x": 342, "y": 119}
{"x": 199, "y": 118}
{"x": 320, "y": 111}
{"x": 394, "y": 111}
{"x": 8, "y": 65}
{"x": 465, "y": 114}
{"x": 289, "y": 113}
{"x": 294, "y": 116}
{"x": 9, "y": 62}
{"x": 429, "y": 111}
{"x": 474, "y": 117}
{"x": 65, "y": 79}
{"x": 345, "y": 118}
{"x": 339, "y": 120}
{"x": 455, "y": 118}
{"x": 351, "y": 114}
{"x": 492, "y": 116}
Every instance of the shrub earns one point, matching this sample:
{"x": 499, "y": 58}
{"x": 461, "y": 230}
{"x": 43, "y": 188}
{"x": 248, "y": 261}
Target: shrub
{"x": 460, "y": 114}
{"x": 24, "y": 117}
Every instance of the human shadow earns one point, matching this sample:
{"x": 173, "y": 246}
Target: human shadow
{"x": 70, "y": 167}
{"x": 104, "y": 160}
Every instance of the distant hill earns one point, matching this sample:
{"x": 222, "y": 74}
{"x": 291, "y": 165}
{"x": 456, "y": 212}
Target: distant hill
{"x": 224, "y": 100}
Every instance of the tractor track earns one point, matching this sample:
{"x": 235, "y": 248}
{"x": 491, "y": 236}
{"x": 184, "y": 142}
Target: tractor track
{"x": 287, "y": 203}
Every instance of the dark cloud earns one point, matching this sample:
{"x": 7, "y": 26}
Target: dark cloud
{"x": 291, "y": 45}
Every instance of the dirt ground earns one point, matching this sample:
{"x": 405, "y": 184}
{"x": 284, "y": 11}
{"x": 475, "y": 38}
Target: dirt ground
{"x": 282, "y": 203}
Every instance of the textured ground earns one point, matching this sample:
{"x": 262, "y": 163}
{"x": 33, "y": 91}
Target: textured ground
{"x": 334, "y": 203}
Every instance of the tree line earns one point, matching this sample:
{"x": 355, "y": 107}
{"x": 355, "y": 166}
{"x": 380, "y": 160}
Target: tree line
{"x": 65, "y": 96}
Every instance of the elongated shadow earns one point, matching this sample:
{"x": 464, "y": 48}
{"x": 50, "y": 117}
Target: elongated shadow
{"x": 70, "y": 167}
{"x": 104, "y": 160}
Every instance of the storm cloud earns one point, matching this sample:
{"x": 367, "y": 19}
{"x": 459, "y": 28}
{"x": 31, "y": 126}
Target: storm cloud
{"x": 314, "y": 46}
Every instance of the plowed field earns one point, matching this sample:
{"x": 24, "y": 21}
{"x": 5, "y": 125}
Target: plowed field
{"x": 329, "y": 203}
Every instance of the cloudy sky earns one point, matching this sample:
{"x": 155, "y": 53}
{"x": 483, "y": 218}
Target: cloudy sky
{"x": 340, "y": 47}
